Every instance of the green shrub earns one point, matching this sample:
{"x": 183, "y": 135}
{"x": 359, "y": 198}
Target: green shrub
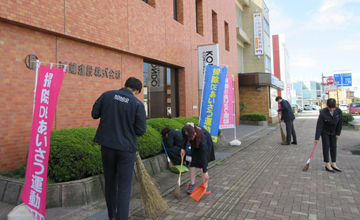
{"x": 18, "y": 173}
{"x": 347, "y": 117}
{"x": 184, "y": 120}
{"x": 74, "y": 155}
{"x": 195, "y": 120}
{"x": 159, "y": 123}
{"x": 242, "y": 106}
{"x": 149, "y": 143}
{"x": 253, "y": 117}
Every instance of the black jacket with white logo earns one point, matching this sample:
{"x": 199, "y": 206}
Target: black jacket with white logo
{"x": 327, "y": 124}
{"x": 122, "y": 118}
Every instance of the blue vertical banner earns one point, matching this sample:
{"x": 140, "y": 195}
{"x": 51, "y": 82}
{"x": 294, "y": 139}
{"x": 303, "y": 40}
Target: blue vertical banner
{"x": 212, "y": 99}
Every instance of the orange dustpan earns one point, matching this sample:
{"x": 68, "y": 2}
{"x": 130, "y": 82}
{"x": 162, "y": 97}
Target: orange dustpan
{"x": 198, "y": 192}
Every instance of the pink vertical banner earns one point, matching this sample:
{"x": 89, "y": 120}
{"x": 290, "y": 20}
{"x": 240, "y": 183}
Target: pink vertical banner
{"x": 227, "y": 112}
{"x": 47, "y": 91}
{"x": 288, "y": 92}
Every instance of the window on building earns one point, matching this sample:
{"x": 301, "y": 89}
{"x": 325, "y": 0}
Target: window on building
{"x": 150, "y": 2}
{"x": 267, "y": 63}
{"x": 238, "y": 18}
{"x": 178, "y": 11}
{"x": 266, "y": 27}
{"x": 240, "y": 58}
{"x": 227, "y": 37}
{"x": 199, "y": 17}
{"x": 215, "y": 27}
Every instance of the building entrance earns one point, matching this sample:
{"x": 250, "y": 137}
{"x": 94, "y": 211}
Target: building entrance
{"x": 160, "y": 91}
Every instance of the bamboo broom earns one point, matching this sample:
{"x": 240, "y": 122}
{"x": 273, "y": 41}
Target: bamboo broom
{"x": 177, "y": 188}
{"x": 152, "y": 201}
{"x": 283, "y": 136}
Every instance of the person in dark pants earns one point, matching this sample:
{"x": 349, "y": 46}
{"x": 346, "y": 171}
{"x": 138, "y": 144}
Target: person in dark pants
{"x": 329, "y": 127}
{"x": 122, "y": 118}
{"x": 202, "y": 152}
{"x": 288, "y": 116}
{"x": 173, "y": 141}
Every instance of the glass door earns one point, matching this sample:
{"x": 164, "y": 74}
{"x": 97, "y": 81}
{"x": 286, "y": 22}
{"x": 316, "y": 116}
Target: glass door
{"x": 160, "y": 91}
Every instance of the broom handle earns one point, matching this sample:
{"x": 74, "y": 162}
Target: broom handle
{"x": 312, "y": 151}
{"x": 182, "y": 160}
{"x": 165, "y": 150}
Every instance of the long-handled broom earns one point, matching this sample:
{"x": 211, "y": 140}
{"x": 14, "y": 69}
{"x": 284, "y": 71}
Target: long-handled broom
{"x": 306, "y": 167}
{"x": 152, "y": 201}
{"x": 177, "y": 188}
{"x": 283, "y": 136}
{"x": 167, "y": 156}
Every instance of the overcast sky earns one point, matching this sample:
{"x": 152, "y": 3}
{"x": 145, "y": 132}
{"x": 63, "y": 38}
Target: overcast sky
{"x": 323, "y": 36}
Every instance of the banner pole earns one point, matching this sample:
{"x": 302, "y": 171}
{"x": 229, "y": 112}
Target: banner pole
{"x": 234, "y": 106}
{"x": 235, "y": 141}
{"x": 36, "y": 78}
{"x": 202, "y": 91}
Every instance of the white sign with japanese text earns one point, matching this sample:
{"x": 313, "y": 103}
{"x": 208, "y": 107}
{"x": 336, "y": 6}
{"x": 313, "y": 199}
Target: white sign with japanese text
{"x": 258, "y": 34}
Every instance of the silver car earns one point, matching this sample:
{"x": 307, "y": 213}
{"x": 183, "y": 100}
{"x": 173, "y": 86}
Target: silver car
{"x": 307, "y": 107}
{"x": 343, "y": 107}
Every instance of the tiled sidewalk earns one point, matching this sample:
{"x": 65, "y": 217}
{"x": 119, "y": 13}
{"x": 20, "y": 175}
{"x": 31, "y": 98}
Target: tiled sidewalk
{"x": 265, "y": 181}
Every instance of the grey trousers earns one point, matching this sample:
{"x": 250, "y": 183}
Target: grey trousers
{"x": 290, "y": 131}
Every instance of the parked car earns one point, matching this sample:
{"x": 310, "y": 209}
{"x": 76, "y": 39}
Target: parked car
{"x": 343, "y": 107}
{"x": 315, "y": 107}
{"x": 300, "y": 107}
{"x": 307, "y": 107}
{"x": 297, "y": 107}
{"x": 354, "y": 108}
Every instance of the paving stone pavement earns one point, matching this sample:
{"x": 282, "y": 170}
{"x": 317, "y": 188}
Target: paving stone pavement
{"x": 265, "y": 181}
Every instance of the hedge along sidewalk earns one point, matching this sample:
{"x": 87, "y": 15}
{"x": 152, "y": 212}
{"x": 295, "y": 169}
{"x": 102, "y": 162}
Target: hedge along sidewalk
{"x": 166, "y": 179}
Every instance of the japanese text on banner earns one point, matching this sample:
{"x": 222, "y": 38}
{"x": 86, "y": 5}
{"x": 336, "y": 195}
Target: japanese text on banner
{"x": 47, "y": 91}
{"x": 212, "y": 99}
{"x": 227, "y": 113}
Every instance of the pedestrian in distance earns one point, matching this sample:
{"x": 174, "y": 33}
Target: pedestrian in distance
{"x": 288, "y": 116}
{"x": 329, "y": 125}
{"x": 202, "y": 152}
{"x": 122, "y": 118}
{"x": 173, "y": 141}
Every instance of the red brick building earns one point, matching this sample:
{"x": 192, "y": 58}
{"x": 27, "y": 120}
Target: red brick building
{"x": 101, "y": 39}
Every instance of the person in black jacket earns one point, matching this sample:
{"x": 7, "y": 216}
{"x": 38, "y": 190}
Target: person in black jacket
{"x": 329, "y": 127}
{"x": 173, "y": 141}
{"x": 122, "y": 118}
{"x": 202, "y": 152}
{"x": 288, "y": 116}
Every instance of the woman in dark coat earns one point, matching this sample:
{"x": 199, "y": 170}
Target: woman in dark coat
{"x": 173, "y": 142}
{"x": 329, "y": 127}
{"x": 202, "y": 152}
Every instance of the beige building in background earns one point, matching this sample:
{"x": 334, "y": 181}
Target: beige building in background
{"x": 258, "y": 86}
{"x": 342, "y": 96}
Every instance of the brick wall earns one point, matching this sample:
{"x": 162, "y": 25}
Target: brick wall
{"x": 117, "y": 35}
{"x": 256, "y": 101}
{"x": 77, "y": 94}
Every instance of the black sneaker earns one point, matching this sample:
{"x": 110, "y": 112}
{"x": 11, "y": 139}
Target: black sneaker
{"x": 294, "y": 142}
